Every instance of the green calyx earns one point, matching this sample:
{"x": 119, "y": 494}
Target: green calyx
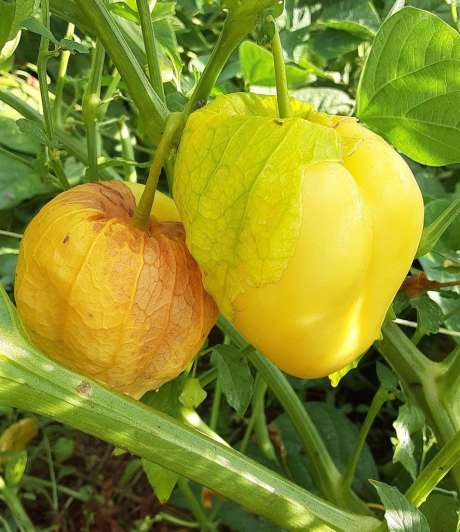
{"x": 238, "y": 174}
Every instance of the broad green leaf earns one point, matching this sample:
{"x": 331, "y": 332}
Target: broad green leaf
{"x": 257, "y": 67}
{"x": 24, "y": 10}
{"x": 162, "y": 480}
{"x": 11, "y": 136}
{"x": 35, "y": 26}
{"x": 410, "y": 421}
{"x": 331, "y": 43}
{"x": 33, "y": 130}
{"x": 429, "y": 314}
{"x": 441, "y": 512}
{"x": 408, "y": 91}
{"x": 231, "y": 148}
{"x": 339, "y": 435}
{"x": 400, "y": 514}
{"x": 234, "y": 376}
{"x": 357, "y": 17}
{"x": 326, "y": 100}
{"x": 19, "y": 182}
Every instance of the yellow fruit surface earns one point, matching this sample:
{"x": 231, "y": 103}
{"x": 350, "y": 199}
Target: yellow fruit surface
{"x": 123, "y": 306}
{"x": 304, "y": 227}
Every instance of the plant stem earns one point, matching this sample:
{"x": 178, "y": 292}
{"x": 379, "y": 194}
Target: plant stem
{"x": 150, "y": 47}
{"x": 60, "y": 82}
{"x": 377, "y": 402}
{"x": 17, "y": 510}
{"x": 260, "y": 387}
{"x": 42, "y": 63}
{"x": 146, "y": 99}
{"x": 90, "y": 108}
{"x": 141, "y": 215}
{"x": 70, "y": 143}
{"x": 323, "y": 469}
{"x": 127, "y": 150}
{"x": 194, "y": 505}
{"x": 282, "y": 91}
{"x": 425, "y": 383}
{"x": 9, "y": 233}
{"x": 435, "y": 471}
{"x": 261, "y": 429}
{"x": 215, "y": 410}
{"x": 234, "y": 30}
{"x": 433, "y": 232}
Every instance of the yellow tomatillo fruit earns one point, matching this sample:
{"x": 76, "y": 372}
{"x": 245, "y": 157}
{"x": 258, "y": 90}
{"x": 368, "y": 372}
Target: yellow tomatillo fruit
{"x": 123, "y": 306}
{"x": 304, "y": 227}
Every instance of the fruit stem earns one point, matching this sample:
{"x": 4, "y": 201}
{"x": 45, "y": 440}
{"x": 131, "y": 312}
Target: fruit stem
{"x": 282, "y": 91}
{"x": 173, "y": 126}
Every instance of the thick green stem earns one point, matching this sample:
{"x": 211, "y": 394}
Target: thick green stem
{"x": 90, "y": 108}
{"x": 282, "y": 91}
{"x": 17, "y": 510}
{"x": 435, "y": 471}
{"x": 377, "y": 402}
{"x": 150, "y": 47}
{"x": 30, "y": 381}
{"x": 323, "y": 469}
{"x": 42, "y": 63}
{"x": 146, "y": 99}
{"x": 61, "y": 75}
{"x": 141, "y": 215}
{"x": 424, "y": 382}
{"x": 438, "y": 227}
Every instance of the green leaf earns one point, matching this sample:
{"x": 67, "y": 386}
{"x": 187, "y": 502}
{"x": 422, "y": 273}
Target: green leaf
{"x": 410, "y": 420}
{"x": 326, "y": 100}
{"x": 7, "y": 12}
{"x": 336, "y": 377}
{"x": 429, "y": 314}
{"x": 11, "y": 136}
{"x": 35, "y": 26}
{"x": 24, "y": 10}
{"x": 166, "y": 399}
{"x": 357, "y": 17}
{"x": 331, "y": 44}
{"x": 400, "y": 514}
{"x": 19, "y": 182}
{"x": 162, "y": 480}
{"x": 234, "y": 376}
{"x": 340, "y": 436}
{"x": 32, "y": 129}
{"x": 15, "y": 468}
{"x": 63, "y": 448}
{"x": 387, "y": 378}
{"x": 192, "y": 394}
{"x": 242, "y": 133}
{"x": 257, "y": 67}
{"x": 441, "y": 512}
{"x": 407, "y": 92}
{"x": 73, "y": 46}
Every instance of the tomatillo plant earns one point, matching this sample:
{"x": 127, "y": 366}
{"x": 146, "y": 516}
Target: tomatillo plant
{"x": 266, "y": 202}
